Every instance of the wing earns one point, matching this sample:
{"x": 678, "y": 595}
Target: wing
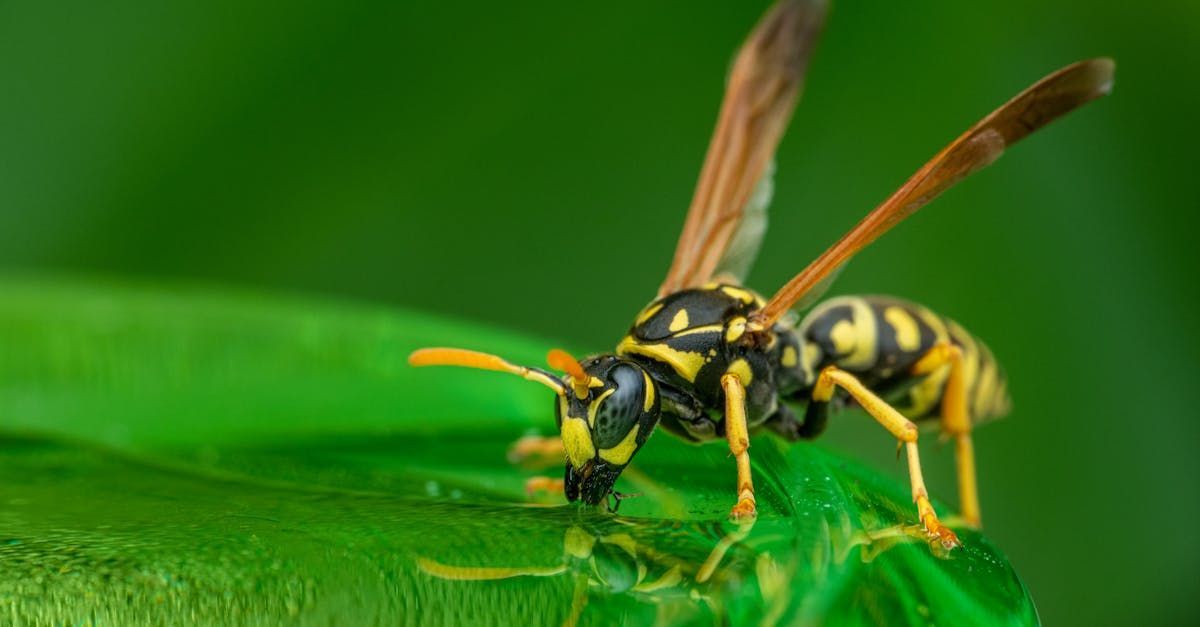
{"x": 727, "y": 216}
{"x": 1040, "y": 104}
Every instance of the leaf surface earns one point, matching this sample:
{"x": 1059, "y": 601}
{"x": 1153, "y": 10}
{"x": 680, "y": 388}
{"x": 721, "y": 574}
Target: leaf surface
{"x": 184, "y": 455}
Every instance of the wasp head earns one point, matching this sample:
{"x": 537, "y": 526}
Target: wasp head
{"x": 609, "y": 408}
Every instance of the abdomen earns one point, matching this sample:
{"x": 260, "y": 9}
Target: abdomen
{"x": 879, "y": 338}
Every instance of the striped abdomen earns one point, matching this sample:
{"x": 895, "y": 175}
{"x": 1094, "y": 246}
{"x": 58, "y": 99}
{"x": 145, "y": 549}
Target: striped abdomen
{"x": 879, "y": 338}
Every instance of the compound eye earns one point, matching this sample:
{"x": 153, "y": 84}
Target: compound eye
{"x": 619, "y": 412}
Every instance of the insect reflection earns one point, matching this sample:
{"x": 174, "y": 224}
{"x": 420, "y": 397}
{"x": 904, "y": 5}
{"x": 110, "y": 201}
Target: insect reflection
{"x": 688, "y": 563}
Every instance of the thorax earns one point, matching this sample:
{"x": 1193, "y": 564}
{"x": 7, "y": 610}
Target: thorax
{"x": 689, "y": 339}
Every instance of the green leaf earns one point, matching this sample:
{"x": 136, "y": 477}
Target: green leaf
{"x": 179, "y": 455}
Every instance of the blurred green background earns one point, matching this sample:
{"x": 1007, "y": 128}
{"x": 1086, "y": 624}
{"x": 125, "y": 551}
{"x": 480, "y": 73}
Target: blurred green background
{"x": 467, "y": 160}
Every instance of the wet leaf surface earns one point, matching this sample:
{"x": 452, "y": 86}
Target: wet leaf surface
{"x": 177, "y": 455}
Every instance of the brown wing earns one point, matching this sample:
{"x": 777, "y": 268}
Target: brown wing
{"x": 759, "y": 97}
{"x": 1046, "y": 100}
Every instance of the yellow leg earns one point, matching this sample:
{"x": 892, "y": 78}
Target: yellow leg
{"x": 537, "y": 451}
{"x": 899, "y": 426}
{"x": 739, "y": 444}
{"x": 534, "y": 485}
{"x": 956, "y": 423}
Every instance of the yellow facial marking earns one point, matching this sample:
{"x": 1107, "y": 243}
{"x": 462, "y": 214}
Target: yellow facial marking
{"x": 684, "y": 363}
{"x": 621, "y": 453}
{"x": 577, "y": 441}
{"x": 649, "y": 392}
{"x": 679, "y": 322}
{"x": 735, "y": 330}
{"x": 843, "y": 337}
{"x": 908, "y": 336}
{"x": 789, "y": 357}
{"x": 594, "y": 406}
{"x": 741, "y": 368}
{"x": 647, "y": 313}
{"x": 578, "y": 543}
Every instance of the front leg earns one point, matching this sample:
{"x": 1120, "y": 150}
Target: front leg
{"x": 738, "y": 435}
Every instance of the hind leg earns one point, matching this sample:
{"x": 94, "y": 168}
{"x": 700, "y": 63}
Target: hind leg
{"x": 899, "y": 426}
{"x": 956, "y": 423}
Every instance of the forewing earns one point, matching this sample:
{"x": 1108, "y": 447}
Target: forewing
{"x": 742, "y": 250}
{"x": 1040, "y": 104}
{"x": 761, "y": 92}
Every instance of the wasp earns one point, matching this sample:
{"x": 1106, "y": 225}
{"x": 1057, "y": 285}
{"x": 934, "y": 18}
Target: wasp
{"x": 709, "y": 359}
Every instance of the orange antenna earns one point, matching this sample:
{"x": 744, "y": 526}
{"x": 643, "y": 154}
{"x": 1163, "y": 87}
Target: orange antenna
{"x": 482, "y": 361}
{"x": 560, "y": 359}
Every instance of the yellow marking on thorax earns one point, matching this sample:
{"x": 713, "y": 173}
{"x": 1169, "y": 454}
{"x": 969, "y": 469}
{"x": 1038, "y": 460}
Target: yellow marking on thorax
{"x": 744, "y": 295}
{"x": 621, "y": 453}
{"x": 577, "y": 441}
{"x": 647, "y": 314}
{"x": 735, "y": 330}
{"x": 685, "y": 364}
{"x": 908, "y": 335}
{"x": 708, "y": 328}
{"x": 650, "y": 392}
{"x": 594, "y": 406}
{"x": 741, "y": 368}
{"x": 679, "y": 322}
{"x": 789, "y": 357}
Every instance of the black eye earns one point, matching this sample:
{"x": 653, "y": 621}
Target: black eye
{"x": 620, "y": 411}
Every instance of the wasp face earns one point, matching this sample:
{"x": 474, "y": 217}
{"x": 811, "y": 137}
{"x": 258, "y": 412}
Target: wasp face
{"x": 604, "y": 424}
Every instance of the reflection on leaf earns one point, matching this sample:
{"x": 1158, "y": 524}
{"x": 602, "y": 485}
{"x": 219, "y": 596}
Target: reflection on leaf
{"x": 175, "y": 456}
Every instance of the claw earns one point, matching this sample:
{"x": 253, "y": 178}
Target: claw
{"x": 943, "y": 535}
{"x": 934, "y": 527}
{"x": 744, "y": 511}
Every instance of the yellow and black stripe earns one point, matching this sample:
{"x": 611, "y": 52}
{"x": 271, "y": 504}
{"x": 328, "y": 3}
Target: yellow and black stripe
{"x": 879, "y": 338}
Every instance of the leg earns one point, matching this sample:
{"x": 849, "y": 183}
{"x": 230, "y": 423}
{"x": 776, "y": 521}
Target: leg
{"x": 534, "y": 485}
{"x": 956, "y": 423}
{"x": 784, "y": 423}
{"x": 900, "y": 427}
{"x": 739, "y": 442}
{"x": 537, "y": 451}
